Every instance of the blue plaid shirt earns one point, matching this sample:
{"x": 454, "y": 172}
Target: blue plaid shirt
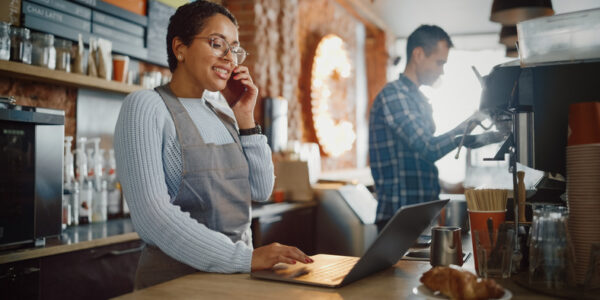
{"x": 402, "y": 148}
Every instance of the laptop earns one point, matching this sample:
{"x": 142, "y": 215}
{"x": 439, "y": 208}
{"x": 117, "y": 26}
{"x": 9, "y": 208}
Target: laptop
{"x": 398, "y": 235}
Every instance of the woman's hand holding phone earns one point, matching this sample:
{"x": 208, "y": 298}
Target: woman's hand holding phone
{"x": 241, "y": 94}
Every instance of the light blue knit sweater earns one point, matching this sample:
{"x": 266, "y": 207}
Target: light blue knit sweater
{"x": 149, "y": 167}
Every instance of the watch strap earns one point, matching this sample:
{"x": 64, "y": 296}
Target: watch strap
{"x": 250, "y": 131}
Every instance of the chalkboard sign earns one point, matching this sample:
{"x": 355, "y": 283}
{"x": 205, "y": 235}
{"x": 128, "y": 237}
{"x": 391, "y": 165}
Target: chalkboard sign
{"x": 156, "y": 32}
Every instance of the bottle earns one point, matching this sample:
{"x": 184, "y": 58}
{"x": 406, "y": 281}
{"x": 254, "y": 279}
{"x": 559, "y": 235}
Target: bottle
{"x": 81, "y": 171}
{"x": 43, "y": 53}
{"x": 99, "y": 203}
{"x": 4, "y": 41}
{"x": 85, "y": 200}
{"x": 114, "y": 191}
{"x": 69, "y": 171}
{"x": 90, "y": 163}
{"x": 66, "y": 211}
{"x": 20, "y": 45}
{"x": 63, "y": 54}
{"x": 68, "y": 180}
{"x": 75, "y": 203}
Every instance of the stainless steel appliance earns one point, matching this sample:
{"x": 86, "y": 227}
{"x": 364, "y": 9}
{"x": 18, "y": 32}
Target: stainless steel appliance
{"x": 532, "y": 103}
{"x": 31, "y": 158}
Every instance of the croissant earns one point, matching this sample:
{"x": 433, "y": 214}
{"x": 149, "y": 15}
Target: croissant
{"x": 459, "y": 284}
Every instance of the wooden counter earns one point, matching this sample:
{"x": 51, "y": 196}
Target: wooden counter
{"x": 77, "y": 238}
{"x": 397, "y": 282}
{"x": 393, "y": 283}
{"x": 117, "y": 231}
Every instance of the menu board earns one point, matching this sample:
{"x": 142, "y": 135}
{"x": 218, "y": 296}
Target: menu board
{"x": 156, "y": 32}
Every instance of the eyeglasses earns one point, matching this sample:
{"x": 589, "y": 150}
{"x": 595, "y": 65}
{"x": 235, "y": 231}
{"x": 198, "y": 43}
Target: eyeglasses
{"x": 221, "y": 47}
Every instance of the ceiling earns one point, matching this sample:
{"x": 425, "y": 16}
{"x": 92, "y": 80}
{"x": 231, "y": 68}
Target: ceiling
{"x": 457, "y": 17}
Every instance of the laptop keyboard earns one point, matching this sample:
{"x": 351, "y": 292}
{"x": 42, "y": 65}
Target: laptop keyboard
{"x": 334, "y": 271}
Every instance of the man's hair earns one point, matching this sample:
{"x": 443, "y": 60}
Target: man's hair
{"x": 426, "y": 37}
{"x": 188, "y": 20}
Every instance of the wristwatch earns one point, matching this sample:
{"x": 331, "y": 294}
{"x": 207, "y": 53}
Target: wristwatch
{"x": 256, "y": 130}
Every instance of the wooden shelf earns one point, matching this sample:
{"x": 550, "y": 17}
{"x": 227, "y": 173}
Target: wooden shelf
{"x": 40, "y": 74}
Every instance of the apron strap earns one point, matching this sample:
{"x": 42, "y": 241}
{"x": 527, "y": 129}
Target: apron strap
{"x": 177, "y": 111}
{"x": 229, "y": 124}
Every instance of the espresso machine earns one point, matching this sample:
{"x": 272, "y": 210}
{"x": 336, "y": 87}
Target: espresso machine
{"x": 531, "y": 106}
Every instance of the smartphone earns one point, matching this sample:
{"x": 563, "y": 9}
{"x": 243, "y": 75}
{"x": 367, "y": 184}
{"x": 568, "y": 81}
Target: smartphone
{"x": 233, "y": 90}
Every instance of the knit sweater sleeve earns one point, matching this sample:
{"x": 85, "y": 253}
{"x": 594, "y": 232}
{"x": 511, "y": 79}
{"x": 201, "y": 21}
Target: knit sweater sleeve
{"x": 138, "y": 142}
{"x": 258, "y": 155}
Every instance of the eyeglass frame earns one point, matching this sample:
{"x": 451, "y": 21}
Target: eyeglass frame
{"x": 226, "y": 50}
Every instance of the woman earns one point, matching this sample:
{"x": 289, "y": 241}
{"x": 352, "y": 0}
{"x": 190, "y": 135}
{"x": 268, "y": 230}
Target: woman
{"x": 190, "y": 163}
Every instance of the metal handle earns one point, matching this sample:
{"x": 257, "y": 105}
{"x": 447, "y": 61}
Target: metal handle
{"x": 8, "y": 100}
{"x": 462, "y": 140}
{"x": 123, "y": 252}
{"x": 269, "y": 220}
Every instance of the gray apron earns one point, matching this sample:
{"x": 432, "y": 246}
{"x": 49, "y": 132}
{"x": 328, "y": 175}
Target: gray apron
{"x": 215, "y": 190}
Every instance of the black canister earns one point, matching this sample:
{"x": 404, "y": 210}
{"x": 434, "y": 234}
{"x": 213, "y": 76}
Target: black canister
{"x": 20, "y": 45}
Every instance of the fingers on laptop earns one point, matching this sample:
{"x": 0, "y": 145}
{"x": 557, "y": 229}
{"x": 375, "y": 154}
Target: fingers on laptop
{"x": 269, "y": 255}
{"x": 288, "y": 254}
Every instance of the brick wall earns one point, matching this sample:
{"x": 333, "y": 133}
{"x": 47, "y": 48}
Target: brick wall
{"x": 282, "y": 36}
{"x": 29, "y": 93}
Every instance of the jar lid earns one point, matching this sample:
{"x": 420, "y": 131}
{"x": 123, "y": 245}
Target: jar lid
{"x": 43, "y": 37}
{"x": 20, "y": 31}
{"x": 62, "y": 43}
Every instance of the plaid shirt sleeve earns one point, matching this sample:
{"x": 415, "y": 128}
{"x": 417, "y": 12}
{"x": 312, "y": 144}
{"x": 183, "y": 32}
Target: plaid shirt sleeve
{"x": 409, "y": 124}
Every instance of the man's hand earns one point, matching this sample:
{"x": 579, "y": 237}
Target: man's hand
{"x": 471, "y": 122}
{"x": 267, "y": 256}
{"x": 480, "y": 140}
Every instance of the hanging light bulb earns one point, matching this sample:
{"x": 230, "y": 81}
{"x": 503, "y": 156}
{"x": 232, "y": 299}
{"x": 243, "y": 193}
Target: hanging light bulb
{"x": 511, "y": 12}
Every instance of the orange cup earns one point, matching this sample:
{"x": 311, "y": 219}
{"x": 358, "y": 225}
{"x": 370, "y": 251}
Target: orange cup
{"x": 584, "y": 123}
{"x": 479, "y": 222}
{"x": 120, "y": 66}
{"x": 278, "y": 195}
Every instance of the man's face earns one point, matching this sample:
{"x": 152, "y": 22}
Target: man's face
{"x": 430, "y": 68}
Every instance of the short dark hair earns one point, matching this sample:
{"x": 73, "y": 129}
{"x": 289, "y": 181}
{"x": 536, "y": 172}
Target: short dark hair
{"x": 188, "y": 20}
{"x": 427, "y": 37}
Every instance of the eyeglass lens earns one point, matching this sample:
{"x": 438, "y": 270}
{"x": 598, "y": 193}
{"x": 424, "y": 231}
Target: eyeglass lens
{"x": 220, "y": 48}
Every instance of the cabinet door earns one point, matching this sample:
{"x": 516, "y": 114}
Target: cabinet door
{"x": 293, "y": 228}
{"x": 20, "y": 280}
{"x": 97, "y": 273}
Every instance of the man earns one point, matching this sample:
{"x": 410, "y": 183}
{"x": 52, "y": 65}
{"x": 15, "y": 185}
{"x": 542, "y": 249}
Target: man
{"x": 402, "y": 148}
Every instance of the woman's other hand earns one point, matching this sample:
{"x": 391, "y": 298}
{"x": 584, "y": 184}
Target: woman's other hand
{"x": 267, "y": 256}
{"x": 241, "y": 94}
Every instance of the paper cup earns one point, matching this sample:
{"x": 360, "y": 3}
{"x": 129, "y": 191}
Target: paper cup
{"x": 584, "y": 123}
{"x": 120, "y": 66}
{"x": 478, "y": 222}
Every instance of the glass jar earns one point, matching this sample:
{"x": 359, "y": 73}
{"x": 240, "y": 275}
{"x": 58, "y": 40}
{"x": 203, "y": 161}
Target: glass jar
{"x": 20, "y": 45}
{"x": 4, "y": 41}
{"x": 43, "y": 53}
{"x": 63, "y": 54}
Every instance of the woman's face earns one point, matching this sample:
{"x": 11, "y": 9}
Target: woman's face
{"x": 200, "y": 63}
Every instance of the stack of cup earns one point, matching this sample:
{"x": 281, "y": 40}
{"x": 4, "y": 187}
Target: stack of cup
{"x": 583, "y": 182}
